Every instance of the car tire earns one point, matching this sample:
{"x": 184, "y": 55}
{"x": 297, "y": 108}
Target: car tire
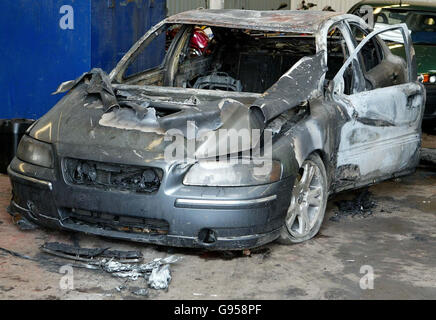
{"x": 308, "y": 202}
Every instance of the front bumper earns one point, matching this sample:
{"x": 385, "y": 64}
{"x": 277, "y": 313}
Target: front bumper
{"x": 239, "y": 217}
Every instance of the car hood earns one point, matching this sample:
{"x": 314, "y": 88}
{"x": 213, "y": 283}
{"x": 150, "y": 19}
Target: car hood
{"x": 101, "y": 121}
{"x": 72, "y": 126}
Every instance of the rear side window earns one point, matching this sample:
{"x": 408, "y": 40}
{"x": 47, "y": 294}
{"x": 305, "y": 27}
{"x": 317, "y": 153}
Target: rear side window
{"x": 372, "y": 53}
{"x": 379, "y": 67}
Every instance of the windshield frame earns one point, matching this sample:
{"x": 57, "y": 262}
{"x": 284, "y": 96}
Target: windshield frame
{"x": 117, "y": 75}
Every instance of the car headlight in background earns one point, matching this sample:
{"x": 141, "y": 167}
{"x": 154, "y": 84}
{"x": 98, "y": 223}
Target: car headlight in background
{"x": 227, "y": 174}
{"x": 35, "y": 152}
{"x": 427, "y": 78}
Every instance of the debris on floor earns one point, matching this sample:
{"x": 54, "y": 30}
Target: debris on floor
{"x": 23, "y": 256}
{"x": 22, "y": 223}
{"x": 361, "y": 205}
{"x": 157, "y": 272}
{"x": 428, "y": 156}
{"x": 68, "y": 251}
{"x": 141, "y": 292}
{"x": 17, "y": 254}
{"x": 160, "y": 277}
{"x": 121, "y": 288}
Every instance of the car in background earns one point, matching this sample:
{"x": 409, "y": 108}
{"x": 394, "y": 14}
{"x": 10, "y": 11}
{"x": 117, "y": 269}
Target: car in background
{"x": 420, "y": 18}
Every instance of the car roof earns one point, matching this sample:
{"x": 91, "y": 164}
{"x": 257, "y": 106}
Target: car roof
{"x": 411, "y": 5}
{"x": 278, "y": 20}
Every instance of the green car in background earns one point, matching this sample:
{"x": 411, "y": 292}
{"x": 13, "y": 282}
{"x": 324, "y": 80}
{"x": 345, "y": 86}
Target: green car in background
{"x": 420, "y": 17}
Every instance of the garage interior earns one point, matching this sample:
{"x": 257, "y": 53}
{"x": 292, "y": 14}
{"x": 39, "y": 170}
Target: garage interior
{"x": 387, "y": 229}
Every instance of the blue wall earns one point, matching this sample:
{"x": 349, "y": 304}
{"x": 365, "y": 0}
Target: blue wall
{"x": 40, "y": 47}
{"x": 110, "y": 41}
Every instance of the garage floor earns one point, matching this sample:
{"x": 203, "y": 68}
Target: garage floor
{"x": 397, "y": 240}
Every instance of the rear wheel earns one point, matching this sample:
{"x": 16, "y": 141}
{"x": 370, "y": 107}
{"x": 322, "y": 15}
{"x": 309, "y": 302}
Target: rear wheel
{"x": 308, "y": 203}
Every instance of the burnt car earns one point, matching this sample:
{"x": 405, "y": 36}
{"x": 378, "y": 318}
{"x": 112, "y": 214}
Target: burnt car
{"x": 275, "y": 111}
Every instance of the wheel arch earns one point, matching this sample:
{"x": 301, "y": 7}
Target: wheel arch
{"x": 315, "y": 135}
{"x": 327, "y": 164}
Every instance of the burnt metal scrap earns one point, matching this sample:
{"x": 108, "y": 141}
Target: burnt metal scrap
{"x": 23, "y": 256}
{"x": 20, "y": 221}
{"x": 122, "y": 264}
{"x": 141, "y": 292}
{"x": 90, "y": 254}
{"x": 96, "y": 83}
{"x": 23, "y": 224}
{"x": 157, "y": 273}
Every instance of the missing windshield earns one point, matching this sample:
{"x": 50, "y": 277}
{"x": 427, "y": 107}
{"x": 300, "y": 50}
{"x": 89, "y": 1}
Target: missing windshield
{"x": 214, "y": 58}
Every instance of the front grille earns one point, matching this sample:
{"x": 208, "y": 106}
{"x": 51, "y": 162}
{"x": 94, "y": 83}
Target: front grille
{"x": 112, "y": 176}
{"x": 108, "y": 221}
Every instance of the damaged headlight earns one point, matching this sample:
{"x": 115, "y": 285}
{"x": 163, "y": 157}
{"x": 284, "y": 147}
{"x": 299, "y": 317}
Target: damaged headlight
{"x": 228, "y": 174}
{"x": 35, "y": 152}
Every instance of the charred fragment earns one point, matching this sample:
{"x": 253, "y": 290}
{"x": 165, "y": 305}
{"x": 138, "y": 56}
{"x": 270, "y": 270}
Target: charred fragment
{"x": 96, "y": 83}
{"x": 361, "y": 205}
{"x": 157, "y": 272}
{"x": 68, "y": 251}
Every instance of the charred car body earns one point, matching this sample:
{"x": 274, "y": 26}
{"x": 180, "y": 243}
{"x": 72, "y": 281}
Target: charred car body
{"x": 316, "y": 85}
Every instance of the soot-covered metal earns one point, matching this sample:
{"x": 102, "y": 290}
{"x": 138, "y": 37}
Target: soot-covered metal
{"x": 302, "y": 89}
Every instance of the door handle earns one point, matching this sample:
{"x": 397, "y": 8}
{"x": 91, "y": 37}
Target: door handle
{"x": 411, "y": 99}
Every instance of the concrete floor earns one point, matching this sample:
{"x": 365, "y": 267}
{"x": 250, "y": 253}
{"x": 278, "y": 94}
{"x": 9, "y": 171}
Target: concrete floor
{"x": 398, "y": 241}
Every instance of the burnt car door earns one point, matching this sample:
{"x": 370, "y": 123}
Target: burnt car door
{"x": 382, "y": 131}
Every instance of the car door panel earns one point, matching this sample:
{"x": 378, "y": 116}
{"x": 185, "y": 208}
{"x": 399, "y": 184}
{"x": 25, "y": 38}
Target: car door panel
{"x": 391, "y": 106}
{"x": 382, "y": 135}
{"x": 377, "y": 151}
{"x": 393, "y": 68}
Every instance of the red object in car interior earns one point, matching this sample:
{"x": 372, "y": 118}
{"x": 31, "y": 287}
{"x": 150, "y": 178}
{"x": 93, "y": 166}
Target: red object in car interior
{"x": 199, "y": 40}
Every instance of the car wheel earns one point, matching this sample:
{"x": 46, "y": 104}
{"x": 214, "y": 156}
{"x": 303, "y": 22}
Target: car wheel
{"x": 308, "y": 203}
